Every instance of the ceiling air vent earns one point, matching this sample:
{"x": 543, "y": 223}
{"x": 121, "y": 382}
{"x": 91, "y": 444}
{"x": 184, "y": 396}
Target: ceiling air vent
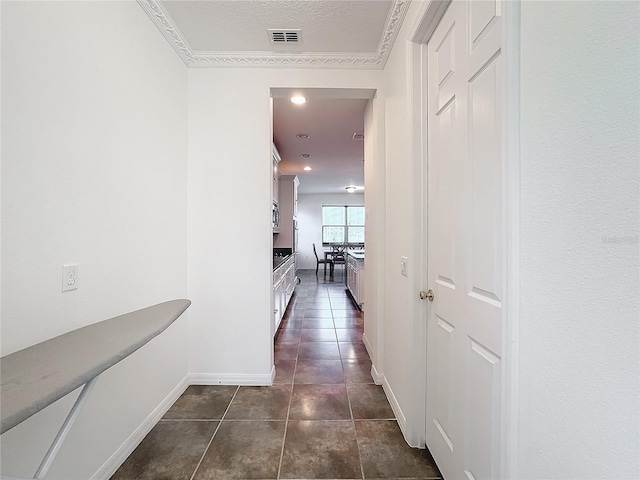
{"x": 285, "y": 35}
{"x": 358, "y": 136}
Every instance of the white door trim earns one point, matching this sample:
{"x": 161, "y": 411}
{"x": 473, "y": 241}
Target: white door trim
{"x": 421, "y": 31}
{"x": 510, "y": 386}
{"x": 426, "y": 23}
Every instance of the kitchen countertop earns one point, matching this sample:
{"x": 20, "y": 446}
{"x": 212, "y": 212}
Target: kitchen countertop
{"x": 278, "y": 261}
{"x": 356, "y": 255}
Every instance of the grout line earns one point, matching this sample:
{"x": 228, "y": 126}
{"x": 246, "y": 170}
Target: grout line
{"x": 286, "y": 423}
{"x": 353, "y": 422}
{"x": 318, "y": 420}
{"x": 214, "y": 434}
{"x": 241, "y": 420}
{"x": 345, "y": 383}
{"x": 189, "y": 420}
{"x": 346, "y": 387}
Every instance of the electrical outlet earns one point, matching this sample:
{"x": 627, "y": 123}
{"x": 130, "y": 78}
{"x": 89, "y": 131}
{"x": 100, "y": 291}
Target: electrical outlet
{"x": 69, "y": 277}
{"x": 403, "y": 266}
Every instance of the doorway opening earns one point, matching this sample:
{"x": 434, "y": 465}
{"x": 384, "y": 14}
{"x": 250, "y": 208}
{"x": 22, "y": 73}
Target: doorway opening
{"x": 333, "y": 134}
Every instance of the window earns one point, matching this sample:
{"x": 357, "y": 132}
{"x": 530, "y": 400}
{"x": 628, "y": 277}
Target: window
{"x": 342, "y": 224}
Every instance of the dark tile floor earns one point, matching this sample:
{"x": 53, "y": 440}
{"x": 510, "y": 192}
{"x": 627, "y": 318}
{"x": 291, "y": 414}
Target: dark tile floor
{"x": 323, "y": 417}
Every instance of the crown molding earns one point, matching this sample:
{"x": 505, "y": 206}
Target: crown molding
{"x": 191, "y": 58}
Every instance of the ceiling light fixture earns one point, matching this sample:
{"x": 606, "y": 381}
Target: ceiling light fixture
{"x": 298, "y": 99}
{"x": 350, "y": 188}
{"x": 307, "y": 168}
{"x": 305, "y": 155}
{"x": 302, "y": 135}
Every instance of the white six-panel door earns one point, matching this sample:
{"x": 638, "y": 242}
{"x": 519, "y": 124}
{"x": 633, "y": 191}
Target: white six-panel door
{"x": 466, "y": 239}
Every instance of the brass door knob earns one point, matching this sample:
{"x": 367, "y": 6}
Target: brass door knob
{"x": 428, "y": 295}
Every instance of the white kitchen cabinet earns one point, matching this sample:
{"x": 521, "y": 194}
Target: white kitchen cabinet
{"x": 278, "y": 304}
{"x": 355, "y": 277}
{"x": 284, "y": 284}
{"x": 288, "y": 205}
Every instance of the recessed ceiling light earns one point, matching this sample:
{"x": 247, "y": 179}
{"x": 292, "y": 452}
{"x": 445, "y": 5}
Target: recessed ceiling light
{"x": 307, "y": 168}
{"x": 305, "y": 155}
{"x": 350, "y": 188}
{"x": 302, "y": 135}
{"x": 298, "y": 99}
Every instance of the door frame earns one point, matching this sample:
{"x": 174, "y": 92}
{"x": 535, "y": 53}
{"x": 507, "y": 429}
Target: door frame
{"x": 374, "y": 161}
{"x": 427, "y": 20}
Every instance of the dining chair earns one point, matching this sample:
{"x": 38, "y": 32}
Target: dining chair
{"x": 340, "y": 259}
{"x": 324, "y": 262}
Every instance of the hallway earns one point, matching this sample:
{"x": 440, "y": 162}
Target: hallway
{"x": 323, "y": 417}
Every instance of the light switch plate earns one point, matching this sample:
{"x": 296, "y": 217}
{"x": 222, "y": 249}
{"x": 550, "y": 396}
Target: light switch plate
{"x": 69, "y": 277}
{"x": 403, "y": 266}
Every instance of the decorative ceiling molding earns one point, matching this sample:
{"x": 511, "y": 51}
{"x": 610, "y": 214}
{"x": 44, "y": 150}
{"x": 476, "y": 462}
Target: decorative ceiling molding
{"x": 364, "y": 61}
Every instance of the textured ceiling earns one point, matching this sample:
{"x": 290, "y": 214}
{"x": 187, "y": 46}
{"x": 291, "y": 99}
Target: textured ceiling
{"x": 327, "y": 26}
{"x": 335, "y": 33}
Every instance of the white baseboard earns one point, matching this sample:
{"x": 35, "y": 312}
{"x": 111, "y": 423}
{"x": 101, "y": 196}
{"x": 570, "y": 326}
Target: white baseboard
{"x": 377, "y": 377}
{"x": 109, "y": 467}
{"x": 380, "y": 379}
{"x": 231, "y": 379}
{"x": 368, "y": 346}
{"x": 122, "y": 453}
{"x": 395, "y": 406}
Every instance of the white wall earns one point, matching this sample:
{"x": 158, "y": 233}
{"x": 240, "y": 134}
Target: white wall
{"x": 398, "y": 330}
{"x": 579, "y": 334}
{"x": 374, "y": 285}
{"x": 229, "y": 238}
{"x": 108, "y": 100}
{"x": 579, "y": 320}
{"x": 310, "y": 223}
{"x": 94, "y": 114}
{"x": 94, "y": 123}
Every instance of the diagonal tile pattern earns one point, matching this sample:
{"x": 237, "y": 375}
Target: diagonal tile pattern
{"x": 323, "y": 418}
